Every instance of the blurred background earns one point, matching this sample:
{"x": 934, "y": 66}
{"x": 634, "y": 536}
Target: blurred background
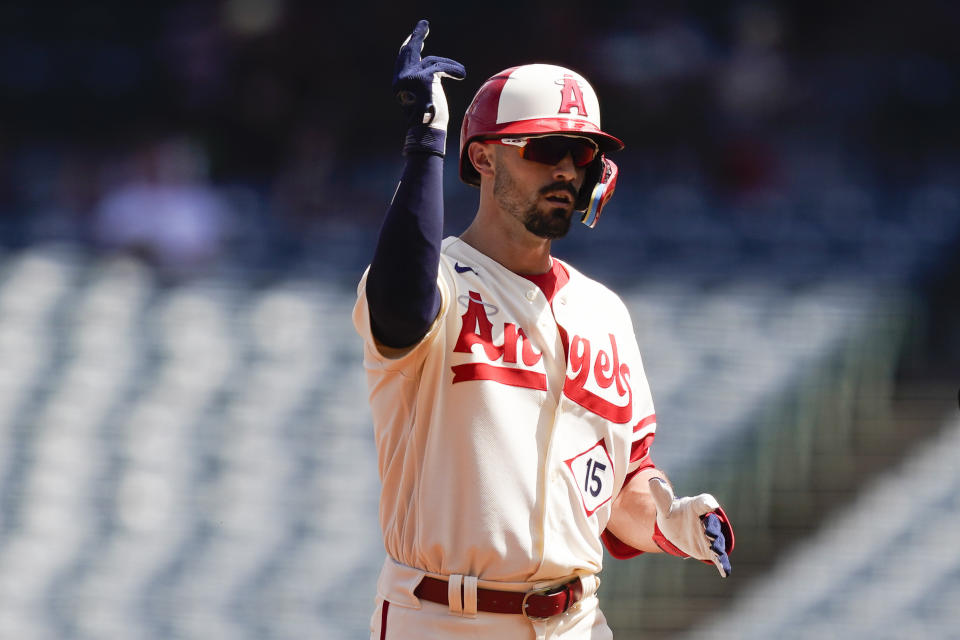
{"x": 189, "y": 192}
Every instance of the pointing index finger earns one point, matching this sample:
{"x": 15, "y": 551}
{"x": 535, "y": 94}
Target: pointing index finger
{"x": 419, "y": 34}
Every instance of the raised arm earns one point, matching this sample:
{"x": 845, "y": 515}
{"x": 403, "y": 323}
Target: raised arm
{"x": 401, "y": 286}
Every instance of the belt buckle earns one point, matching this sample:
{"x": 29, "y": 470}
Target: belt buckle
{"x": 543, "y": 591}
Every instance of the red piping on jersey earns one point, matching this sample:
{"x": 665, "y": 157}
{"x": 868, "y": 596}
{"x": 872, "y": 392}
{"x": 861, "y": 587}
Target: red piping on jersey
{"x": 383, "y": 619}
{"x": 640, "y": 425}
{"x": 640, "y": 449}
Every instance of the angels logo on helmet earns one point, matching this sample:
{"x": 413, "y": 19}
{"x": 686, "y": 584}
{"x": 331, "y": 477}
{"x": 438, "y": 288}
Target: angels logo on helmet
{"x": 572, "y": 96}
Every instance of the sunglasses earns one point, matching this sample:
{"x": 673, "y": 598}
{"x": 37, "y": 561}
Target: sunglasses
{"x": 552, "y": 149}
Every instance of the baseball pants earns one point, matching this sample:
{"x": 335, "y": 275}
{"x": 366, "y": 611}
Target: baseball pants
{"x": 400, "y": 615}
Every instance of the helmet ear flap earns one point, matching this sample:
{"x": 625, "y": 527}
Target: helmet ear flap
{"x": 598, "y": 186}
{"x": 590, "y": 179}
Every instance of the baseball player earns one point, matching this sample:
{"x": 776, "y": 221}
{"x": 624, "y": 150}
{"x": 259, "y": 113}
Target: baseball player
{"x": 512, "y": 416}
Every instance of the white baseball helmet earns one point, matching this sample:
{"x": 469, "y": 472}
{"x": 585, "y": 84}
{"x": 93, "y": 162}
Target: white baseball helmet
{"x": 542, "y": 99}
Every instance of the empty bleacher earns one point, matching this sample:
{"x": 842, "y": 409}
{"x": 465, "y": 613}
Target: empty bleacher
{"x": 884, "y": 567}
{"x": 195, "y": 459}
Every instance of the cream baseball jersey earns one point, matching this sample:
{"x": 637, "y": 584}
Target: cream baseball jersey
{"x": 504, "y": 435}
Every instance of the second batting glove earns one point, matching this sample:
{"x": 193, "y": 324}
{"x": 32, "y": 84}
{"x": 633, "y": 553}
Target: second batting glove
{"x": 417, "y": 84}
{"x": 692, "y": 527}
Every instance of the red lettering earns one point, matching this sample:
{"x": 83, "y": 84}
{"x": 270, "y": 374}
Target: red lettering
{"x": 530, "y": 357}
{"x": 575, "y": 388}
{"x": 571, "y": 97}
{"x": 476, "y": 328}
{"x": 600, "y": 367}
{"x": 580, "y": 360}
{"x": 604, "y": 364}
{"x": 510, "y": 342}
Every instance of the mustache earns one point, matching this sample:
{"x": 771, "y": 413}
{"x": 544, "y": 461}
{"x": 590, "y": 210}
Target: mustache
{"x": 560, "y": 186}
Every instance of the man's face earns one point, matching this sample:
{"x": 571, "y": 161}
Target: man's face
{"x": 540, "y": 196}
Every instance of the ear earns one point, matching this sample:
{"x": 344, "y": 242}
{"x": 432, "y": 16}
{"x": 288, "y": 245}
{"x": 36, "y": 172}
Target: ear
{"x": 481, "y": 157}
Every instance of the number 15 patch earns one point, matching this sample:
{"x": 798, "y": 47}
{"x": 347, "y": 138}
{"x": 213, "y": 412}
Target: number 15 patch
{"x": 593, "y": 474}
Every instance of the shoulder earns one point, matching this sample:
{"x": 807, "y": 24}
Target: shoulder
{"x": 470, "y": 267}
{"x": 583, "y": 286}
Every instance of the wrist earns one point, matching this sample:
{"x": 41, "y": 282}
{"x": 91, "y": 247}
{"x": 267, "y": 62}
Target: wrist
{"x": 665, "y": 545}
{"x": 422, "y": 138}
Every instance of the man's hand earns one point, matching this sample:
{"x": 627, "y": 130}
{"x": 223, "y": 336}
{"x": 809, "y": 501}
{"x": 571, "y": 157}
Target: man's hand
{"x": 692, "y": 527}
{"x": 417, "y": 84}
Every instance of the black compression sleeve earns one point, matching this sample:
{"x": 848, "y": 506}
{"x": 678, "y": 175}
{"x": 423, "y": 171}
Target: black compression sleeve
{"x": 402, "y": 289}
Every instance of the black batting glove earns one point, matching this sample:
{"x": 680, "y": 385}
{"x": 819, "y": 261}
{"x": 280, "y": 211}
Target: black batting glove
{"x": 417, "y": 85}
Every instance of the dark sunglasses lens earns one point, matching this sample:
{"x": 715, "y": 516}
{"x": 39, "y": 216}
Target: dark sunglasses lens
{"x": 553, "y": 150}
{"x": 584, "y": 153}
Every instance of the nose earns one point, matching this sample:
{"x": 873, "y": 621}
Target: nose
{"x": 565, "y": 170}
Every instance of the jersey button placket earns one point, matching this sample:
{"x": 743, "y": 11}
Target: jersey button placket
{"x": 531, "y": 294}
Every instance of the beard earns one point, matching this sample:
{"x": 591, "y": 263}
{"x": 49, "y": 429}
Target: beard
{"x": 544, "y": 222}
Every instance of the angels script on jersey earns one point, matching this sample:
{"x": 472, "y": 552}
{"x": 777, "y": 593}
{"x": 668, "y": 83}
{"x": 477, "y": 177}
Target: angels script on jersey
{"x": 476, "y": 328}
{"x": 600, "y": 382}
{"x": 609, "y": 374}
